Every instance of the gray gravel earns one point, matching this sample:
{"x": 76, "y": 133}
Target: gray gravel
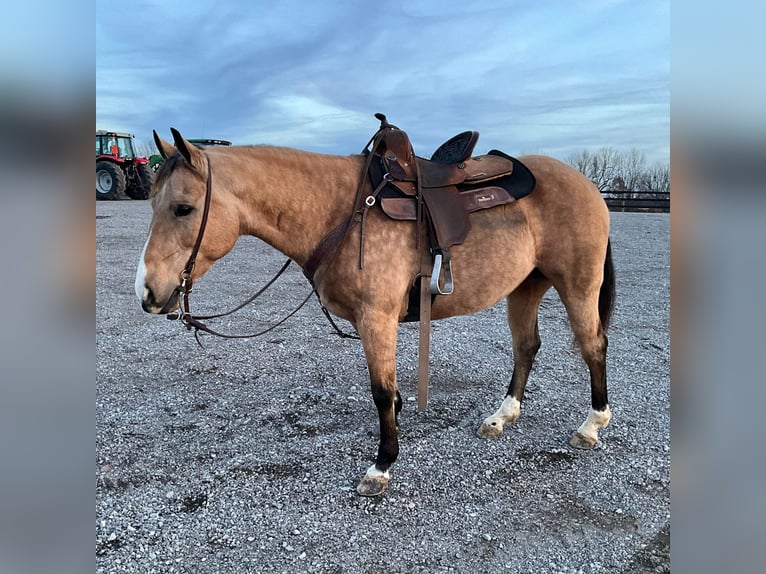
{"x": 244, "y": 456}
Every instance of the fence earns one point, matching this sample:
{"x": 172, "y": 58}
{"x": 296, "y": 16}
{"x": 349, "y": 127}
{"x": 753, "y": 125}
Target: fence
{"x": 643, "y": 201}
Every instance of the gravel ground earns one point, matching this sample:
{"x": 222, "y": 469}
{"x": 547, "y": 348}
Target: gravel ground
{"x": 244, "y": 456}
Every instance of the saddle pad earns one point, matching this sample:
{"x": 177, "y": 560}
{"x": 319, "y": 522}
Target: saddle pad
{"x": 521, "y": 183}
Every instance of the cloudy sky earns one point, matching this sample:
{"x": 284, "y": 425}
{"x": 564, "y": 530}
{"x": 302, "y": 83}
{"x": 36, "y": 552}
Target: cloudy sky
{"x": 553, "y": 77}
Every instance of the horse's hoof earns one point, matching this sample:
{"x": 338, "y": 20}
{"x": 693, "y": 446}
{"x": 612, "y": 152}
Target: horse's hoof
{"x": 374, "y": 482}
{"x": 579, "y": 440}
{"x": 490, "y": 429}
{"x": 372, "y": 485}
{"x": 509, "y": 411}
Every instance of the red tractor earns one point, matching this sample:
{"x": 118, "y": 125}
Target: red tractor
{"x": 118, "y": 171}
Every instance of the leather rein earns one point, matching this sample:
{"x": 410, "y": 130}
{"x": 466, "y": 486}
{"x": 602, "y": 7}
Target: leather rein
{"x": 184, "y": 288}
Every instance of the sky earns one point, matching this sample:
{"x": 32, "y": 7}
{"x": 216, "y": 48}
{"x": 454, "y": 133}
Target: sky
{"x": 552, "y": 77}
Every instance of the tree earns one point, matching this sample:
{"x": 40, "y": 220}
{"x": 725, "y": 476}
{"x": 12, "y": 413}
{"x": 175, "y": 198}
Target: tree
{"x": 611, "y": 170}
{"x": 632, "y": 168}
{"x": 657, "y": 178}
{"x": 146, "y": 149}
{"x": 580, "y": 161}
{"x": 600, "y": 167}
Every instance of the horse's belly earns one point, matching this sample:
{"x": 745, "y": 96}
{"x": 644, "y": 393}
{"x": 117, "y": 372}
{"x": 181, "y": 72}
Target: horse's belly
{"x": 496, "y": 257}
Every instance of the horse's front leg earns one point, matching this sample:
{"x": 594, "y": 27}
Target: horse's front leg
{"x": 378, "y": 333}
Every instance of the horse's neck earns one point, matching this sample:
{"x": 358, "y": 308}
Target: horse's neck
{"x": 291, "y": 199}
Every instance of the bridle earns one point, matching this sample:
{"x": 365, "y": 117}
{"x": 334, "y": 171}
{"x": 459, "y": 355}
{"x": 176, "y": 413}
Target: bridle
{"x": 184, "y": 287}
{"x": 185, "y": 277}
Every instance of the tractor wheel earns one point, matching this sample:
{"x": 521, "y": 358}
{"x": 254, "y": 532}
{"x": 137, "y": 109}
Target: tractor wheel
{"x": 142, "y": 183}
{"x": 110, "y": 181}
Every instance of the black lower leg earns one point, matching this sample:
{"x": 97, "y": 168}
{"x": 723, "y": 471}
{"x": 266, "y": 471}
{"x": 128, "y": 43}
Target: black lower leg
{"x": 597, "y": 367}
{"x": 388, "y": 449}
{"x": 524, "y": 356}
{"x": 598, "y": 394}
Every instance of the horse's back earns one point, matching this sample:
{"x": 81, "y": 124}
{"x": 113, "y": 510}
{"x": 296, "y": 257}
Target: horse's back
{"x": 563, "y": 192}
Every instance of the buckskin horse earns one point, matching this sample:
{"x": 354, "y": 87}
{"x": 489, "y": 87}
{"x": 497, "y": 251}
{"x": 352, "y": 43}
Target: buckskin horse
{"x": 320, "y": 211}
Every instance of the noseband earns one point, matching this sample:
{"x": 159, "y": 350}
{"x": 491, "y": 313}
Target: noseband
{"x": 184, "y": 287}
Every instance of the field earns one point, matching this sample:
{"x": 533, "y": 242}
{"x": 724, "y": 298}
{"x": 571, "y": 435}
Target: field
{"x": 243, "y": 456}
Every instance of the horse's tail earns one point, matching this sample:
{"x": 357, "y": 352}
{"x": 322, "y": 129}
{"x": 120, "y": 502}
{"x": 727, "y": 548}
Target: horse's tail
{"x": 607, "y": 293}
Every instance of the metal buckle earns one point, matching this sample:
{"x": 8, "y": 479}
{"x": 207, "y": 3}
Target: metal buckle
{"x": 370, "y": 201}
{"x": 185, "y": 277}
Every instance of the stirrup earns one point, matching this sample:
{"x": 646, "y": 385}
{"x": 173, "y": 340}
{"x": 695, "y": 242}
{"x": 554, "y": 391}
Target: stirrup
{"x": 439, "y": 258}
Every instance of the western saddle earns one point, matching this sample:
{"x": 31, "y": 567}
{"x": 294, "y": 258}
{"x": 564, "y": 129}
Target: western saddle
{"x": 440, "y": 193}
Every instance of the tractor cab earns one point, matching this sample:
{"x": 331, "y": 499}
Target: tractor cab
{"x": 119, "y": 171}
{"x": 118, "y": 145}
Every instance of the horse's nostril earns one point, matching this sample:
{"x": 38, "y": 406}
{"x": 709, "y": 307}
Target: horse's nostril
{"x": 148, "y": 300}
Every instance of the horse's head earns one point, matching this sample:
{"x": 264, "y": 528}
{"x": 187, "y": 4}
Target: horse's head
{"x": 178, "y": 203}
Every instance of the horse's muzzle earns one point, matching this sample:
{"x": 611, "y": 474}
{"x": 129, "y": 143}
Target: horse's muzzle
{"x": 150, "y": 304}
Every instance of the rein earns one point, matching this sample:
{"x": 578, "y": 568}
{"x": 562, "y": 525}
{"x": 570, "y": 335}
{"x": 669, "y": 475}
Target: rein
{"x": 184, "y": 288}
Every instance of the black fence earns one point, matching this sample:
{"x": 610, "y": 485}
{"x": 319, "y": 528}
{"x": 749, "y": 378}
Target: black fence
{"x": 648, "y": 202}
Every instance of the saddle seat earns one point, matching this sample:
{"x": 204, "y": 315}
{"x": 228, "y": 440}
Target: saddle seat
{"x": 456, "y": 149}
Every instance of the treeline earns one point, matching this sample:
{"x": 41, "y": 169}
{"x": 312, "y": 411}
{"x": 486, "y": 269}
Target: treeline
{"x": 612, "y": 170}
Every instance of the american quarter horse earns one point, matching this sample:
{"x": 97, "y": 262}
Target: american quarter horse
{"x": 557, "y": 237}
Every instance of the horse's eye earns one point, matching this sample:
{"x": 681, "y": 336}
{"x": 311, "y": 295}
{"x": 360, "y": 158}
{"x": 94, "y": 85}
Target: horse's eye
{"x": 182, "y": 210}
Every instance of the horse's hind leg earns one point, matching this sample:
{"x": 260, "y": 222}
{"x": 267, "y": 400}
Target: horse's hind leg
{"x": 582, "y": 309}
{"x": 523, "y": 305}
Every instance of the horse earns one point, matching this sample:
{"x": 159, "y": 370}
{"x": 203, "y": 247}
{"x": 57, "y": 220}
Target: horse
{"x": 558, "y": 236}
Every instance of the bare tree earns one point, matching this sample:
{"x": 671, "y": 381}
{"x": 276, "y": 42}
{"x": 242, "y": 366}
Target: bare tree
{"x": 605, "y": 168}
{"x": 632, "y": 168}
{"x": 146, "y": 148}
{"x": 600, "y": 167}
{"x": 657, "y": 178}
{"x": 611, "y": 170}
{"x": 580, "y": 161}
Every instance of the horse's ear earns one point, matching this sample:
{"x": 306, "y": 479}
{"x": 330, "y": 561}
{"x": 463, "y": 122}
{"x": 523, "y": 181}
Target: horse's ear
{"x": 188, "y": 151}
{"x": 166, "y": 149}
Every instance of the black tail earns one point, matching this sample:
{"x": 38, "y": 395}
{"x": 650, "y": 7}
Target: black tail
{"x": 607, "y": 294}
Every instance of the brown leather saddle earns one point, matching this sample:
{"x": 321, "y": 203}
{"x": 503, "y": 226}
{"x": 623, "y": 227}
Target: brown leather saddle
{"x": 441, "y": 191}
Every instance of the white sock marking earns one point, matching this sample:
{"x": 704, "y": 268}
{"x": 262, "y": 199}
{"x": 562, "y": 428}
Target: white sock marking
{"x": 595, "y": 421}
{"x": 373, "y": 472}
{"x": 510, "y": 410}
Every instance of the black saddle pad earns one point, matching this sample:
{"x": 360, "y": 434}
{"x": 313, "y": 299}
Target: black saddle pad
{"x": 520, "y": 183}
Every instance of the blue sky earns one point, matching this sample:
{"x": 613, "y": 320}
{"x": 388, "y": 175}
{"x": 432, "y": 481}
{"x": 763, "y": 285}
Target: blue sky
{"x": 545, "y": 76}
